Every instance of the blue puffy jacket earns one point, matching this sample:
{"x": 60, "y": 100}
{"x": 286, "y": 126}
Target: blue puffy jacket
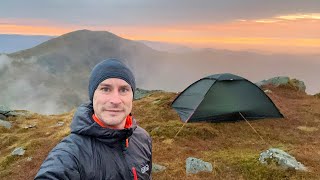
{"x": 93, "y": 152}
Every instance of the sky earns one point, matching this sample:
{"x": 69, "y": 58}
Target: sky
{"x": 286, "y": 26}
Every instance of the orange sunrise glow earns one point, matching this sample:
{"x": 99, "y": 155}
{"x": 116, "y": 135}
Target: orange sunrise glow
{"x": 281, "y": 33}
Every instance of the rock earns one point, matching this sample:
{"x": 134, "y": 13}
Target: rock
{"x": 5, "y": 124}
{"x": 283, "y": 80}
{"x": 276, "y": 81}
{"x": 4, "y": 110}
{"x": 29, "y": 126}
{"x": 299, "y": 84}
{"x": 157, "y": 168}
{"x": 194, "y": 165}
{"x": 18, "y": 151}
{"x": 29, "y": 159}
{"x": 60, "y": 123}
{"x": 281, "y": 158}
{"x": 2, "y": 117}
{"x": 21, "y": 113}
{"x": 141, "y": 93}
{"x": 267, "y": 91}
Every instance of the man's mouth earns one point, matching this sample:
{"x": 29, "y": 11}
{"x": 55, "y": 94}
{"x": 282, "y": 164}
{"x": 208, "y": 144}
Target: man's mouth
{"x": 114, "y": 110}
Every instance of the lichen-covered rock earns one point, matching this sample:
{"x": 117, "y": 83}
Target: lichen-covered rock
{"x": 281, "y": 158}
{"x": 194, "y": 165}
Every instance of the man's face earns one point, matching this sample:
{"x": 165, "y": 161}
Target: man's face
{"x": 112, "y": 102}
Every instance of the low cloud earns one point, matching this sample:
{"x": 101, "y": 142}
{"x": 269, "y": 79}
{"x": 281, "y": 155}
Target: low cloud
{"x": 27, "y": 86}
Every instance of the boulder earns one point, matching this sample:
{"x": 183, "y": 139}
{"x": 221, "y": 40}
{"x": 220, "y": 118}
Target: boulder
{"x": 19, "y": 151}
{"x": 299, "y": 84}
{"x": 5, "y": 124}
{"x": 4, "y": 110}
{"x": 141, "y": 93}
{"x": 2, "y": 117}
{"x": 194, "y": 165}
{"x": 281, "y": 158}
{"x": 283, "y": 80}
{"x": 157, "y": 168}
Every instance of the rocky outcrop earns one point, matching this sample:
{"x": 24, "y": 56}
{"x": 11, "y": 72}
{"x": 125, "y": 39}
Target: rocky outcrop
{"x": 141, "y": 93}
{"x": 4, "y": 110}
{"x": 283, "y": 81}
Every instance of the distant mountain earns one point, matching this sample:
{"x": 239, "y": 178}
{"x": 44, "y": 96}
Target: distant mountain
{"x": 167, "y": 47}
{"x": 53, "y": 76}
{"x": 10, "y": 43}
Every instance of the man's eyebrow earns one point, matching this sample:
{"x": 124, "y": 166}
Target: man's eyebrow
{"x": 104, "y": 84}
{"x": 122, "y": 86}
{"x": 125, "y": 86}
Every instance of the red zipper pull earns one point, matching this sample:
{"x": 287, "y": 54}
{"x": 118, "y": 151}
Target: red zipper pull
{"x": 134, "y": 171}
{"x": 127, "y": 143}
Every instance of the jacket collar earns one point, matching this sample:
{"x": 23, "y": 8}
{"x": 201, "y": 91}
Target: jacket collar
{"x": 83, "y": 124}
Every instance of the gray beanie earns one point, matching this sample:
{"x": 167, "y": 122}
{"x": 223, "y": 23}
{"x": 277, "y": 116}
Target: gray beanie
{"x": 109, "y": 68}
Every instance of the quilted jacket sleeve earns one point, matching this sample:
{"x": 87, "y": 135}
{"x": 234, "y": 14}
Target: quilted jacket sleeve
{"x": 60, "y": 164}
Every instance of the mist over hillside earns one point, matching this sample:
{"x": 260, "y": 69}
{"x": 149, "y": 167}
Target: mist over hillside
{"x": 167, "y": 47}
{"x": 53, "y": 76}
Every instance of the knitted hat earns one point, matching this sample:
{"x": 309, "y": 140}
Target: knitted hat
{"x": 110, "y": 68}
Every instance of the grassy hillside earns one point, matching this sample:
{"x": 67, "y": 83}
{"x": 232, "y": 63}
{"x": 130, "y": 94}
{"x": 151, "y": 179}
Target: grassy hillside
{"x": 232, "y": 148}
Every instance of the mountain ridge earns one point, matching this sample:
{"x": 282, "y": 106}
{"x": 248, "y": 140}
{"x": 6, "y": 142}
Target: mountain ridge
{"x": 60, "y": 67}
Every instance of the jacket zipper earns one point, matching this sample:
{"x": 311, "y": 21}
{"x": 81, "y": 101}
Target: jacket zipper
{"x": 134, "y": 171}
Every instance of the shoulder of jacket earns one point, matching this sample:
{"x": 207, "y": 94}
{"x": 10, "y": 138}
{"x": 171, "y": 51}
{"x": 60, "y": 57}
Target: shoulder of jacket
{"x": 73, "y": 144}
{"x": 142, "y": 132}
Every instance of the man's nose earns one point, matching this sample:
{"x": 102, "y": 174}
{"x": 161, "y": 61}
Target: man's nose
{"x": 115, "y": 98}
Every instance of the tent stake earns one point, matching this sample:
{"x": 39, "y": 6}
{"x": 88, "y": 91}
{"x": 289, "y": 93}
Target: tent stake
{"x": 255, "y": 130}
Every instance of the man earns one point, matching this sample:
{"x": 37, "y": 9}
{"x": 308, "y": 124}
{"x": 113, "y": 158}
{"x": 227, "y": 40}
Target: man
{"x": 105, "y": 141}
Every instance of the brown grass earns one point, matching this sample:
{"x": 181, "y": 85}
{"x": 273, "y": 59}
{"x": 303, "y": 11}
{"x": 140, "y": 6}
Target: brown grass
{"x": 233, "y": 148}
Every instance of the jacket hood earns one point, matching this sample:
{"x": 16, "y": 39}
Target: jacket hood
{"x": 83, "y": 124}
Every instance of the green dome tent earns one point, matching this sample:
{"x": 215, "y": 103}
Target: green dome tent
{"x": 224, "y": 97}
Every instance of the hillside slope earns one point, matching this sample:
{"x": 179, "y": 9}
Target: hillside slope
{"x": 232, "y": 148}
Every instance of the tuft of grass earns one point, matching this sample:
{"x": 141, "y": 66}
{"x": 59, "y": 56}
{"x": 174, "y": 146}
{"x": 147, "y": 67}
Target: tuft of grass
{"x": 8, "y": 160}
{"x": 171, "y": 128}
{"x": 4, "y": 130}
{"x": 7, "y": 141}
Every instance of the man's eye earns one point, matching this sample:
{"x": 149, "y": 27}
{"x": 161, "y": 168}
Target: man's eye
{"x": 124, "y": 90}
{"x": 105, "y": 89}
